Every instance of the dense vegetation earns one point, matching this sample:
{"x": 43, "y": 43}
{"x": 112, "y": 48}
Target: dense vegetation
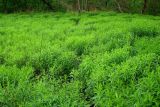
{"x": 130, "y": 6}
{"x": 79, "y": 60}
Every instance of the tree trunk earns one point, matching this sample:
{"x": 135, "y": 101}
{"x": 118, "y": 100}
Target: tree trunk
{"x": 86, "y": 5}
{"x": 48, "y": 4}
{"x": 5, "y": 6}
{"x": 82, "y": 5}
{"x": 79, "y": 6}
{"x": 144, "y": 6}
{"x": 119, "y": 7}
{"x": 64, "y": 4}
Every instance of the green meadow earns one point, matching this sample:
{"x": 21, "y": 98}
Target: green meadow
{"x": 94, "y": 59}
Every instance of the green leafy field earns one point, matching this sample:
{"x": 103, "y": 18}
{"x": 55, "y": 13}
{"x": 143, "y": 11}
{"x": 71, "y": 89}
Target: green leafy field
{"x": 88, "y": 60}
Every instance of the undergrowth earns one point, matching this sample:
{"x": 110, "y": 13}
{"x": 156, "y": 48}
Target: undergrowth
{"x": 86, "y": 60}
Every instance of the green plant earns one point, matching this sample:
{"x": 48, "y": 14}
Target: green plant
{"x": 104, "y": 60}
{"x": 144, "y": 31}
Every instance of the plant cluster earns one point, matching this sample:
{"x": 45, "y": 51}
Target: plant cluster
{"x": 86, "y": 60}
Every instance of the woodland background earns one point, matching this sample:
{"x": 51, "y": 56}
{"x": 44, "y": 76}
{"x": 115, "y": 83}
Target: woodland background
{"x": 127, "y": 6}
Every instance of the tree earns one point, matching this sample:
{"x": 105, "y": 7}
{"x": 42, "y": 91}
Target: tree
{"x": 119, "y": 6}
{"x": 129, "y": 6}
{"x": 144, "y": 6}
{"x": 5, "y": 6}
{"x": 48, "y": 4}
{"x": 79, "y": 6}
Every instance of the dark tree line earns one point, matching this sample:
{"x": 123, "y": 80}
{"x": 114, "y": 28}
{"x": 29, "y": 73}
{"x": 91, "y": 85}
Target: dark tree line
{"x": 131, "y": 6}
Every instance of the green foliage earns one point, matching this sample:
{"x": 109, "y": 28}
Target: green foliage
{"x": 129, "y": 6}
{"x": 80, "y": 45}
{"x": 65, "y": 64}
{"x": 144, "y": 31}
{"x": 88, "y": 59}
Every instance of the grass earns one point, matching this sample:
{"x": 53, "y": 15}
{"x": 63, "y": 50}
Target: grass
{"x": 92, "y": 59}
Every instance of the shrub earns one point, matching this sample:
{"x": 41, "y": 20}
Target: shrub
{"x": 147, "y": 45}
{"x": 80, "y": 45}
{"x": 14, "y": 85}
{"x": 113, "y": 39}
{"x": 22, "y": 62}
{"x": 144, "y": 31}
{"x": 42, "y": 62}
{"x": 137, "y": 68}
{"x": 75, "y": 20}
{"x": 127, "y": 81}
{"x": 2, "y": 59}
{"x": 65, "y": 64}
{"x": 11, "y": 76}
{"x": 45, "y": 60}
